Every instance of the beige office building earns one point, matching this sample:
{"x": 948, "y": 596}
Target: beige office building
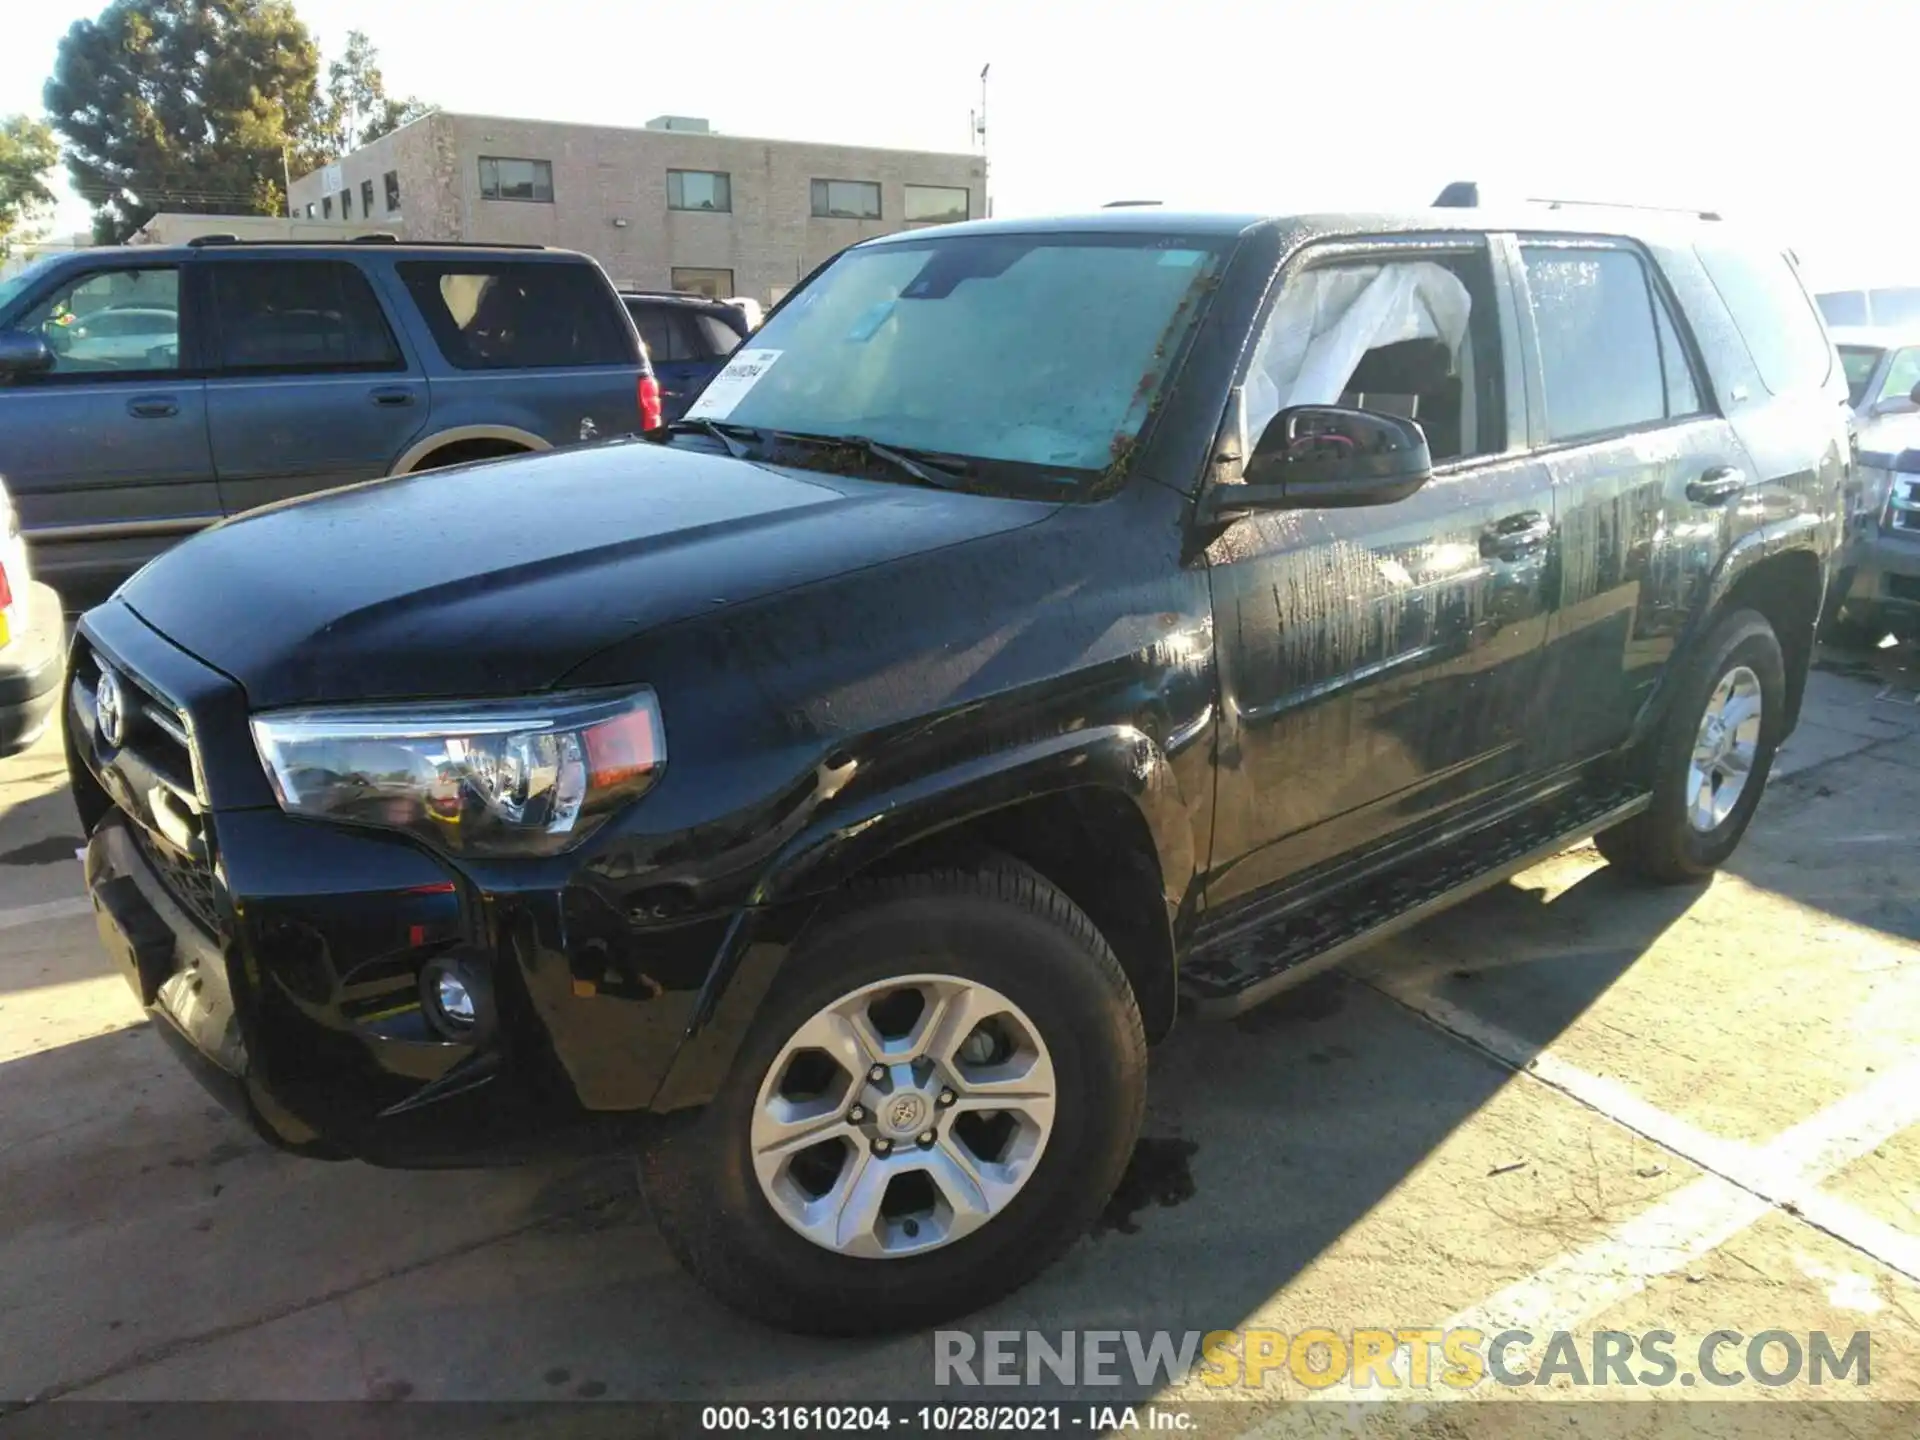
{"x": 668, "y": 206}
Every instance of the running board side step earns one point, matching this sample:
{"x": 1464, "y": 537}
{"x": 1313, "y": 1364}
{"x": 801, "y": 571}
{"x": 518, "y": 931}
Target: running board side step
{"x": 1250, "y": 966}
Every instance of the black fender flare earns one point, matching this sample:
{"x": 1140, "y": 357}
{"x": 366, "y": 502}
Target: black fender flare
{"x": 1808, "y": 533}
{"x": 831, "y": 851}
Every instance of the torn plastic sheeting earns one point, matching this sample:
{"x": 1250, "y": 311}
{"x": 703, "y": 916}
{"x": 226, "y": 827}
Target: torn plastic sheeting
{"x": 1325, "y": 321}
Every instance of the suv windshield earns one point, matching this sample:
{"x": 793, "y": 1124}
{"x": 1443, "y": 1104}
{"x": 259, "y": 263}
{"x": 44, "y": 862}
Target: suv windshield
{"x": 1043, "y": 350}
{"x": 1859, "y": 361}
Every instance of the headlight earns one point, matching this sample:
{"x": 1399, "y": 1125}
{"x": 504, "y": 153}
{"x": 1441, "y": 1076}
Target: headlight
{"x": 490, "y": 777}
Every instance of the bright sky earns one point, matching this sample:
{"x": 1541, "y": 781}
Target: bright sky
{"x": 1786, "y": 114}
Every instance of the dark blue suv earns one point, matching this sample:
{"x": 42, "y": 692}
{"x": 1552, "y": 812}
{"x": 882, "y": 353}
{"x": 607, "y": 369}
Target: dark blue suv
{"x": 688, "y": 339}
{"x": 146, "y": 393}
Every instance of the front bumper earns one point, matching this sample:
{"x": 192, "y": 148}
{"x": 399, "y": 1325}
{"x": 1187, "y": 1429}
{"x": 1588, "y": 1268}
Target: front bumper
{"x": 30, "y": 673}
{"x": 282, "y": 959}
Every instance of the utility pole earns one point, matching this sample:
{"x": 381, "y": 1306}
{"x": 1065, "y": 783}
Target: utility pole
{"x": 980, "y": 134}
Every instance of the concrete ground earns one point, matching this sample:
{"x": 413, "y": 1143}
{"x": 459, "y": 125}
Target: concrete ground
{"x": 1572, "y": 1104}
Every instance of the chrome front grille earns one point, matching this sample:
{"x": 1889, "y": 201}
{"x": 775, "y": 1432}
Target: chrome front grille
{"x": 152, "y": 775}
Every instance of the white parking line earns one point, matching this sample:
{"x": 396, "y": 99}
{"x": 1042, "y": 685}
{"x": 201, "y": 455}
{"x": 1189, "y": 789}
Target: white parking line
{"x": 49, "y": 910}
{"x": 1743, "y": 1183}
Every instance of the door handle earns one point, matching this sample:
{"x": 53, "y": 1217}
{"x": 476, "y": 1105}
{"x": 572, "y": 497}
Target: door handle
{"x": 1513, "y": 537}
{"x": 392, "y": 397}
{"x": 1718, "y": 485}
{"x": 152, "y": 407}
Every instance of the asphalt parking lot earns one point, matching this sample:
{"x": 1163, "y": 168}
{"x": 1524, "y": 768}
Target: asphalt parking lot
{"x": 1571, "y": 1104}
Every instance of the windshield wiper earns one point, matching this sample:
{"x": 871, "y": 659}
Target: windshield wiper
{"x": 941, "y": 474}
{"x": 735, "y": 447}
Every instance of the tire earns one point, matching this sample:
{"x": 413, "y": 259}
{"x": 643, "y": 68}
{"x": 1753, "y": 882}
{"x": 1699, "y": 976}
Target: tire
{"x": 1000, "y": 926}
{"x": 1663, "y": 843}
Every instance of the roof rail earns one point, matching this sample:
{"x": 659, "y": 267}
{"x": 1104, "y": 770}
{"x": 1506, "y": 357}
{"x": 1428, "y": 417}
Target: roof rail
{"x": 1465, "y": 195}
{"x": 1697, "y": 213}
{"x": 377, "y": 237}
{"x": 1128, "y": 204}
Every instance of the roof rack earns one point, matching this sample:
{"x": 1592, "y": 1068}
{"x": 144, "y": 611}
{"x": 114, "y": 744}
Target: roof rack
{"x": 1697, "y": 214}
{"x": 376, "y": 237}
{"x": 1465, "y": 195}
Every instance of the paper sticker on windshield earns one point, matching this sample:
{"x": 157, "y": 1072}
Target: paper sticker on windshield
{"x": 731, "y": 385}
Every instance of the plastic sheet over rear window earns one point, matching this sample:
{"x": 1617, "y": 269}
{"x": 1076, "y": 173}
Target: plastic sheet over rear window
{"x": 1774, "y": 314}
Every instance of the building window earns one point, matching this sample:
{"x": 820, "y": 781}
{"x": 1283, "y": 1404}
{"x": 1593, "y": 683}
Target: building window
{"x": 699, "y": 190}
{"x": 935, "y": 203}
{"x": 309, "y": 209}
{"x": 393, "y": 191}
{"x": 846, "y": 199}
{"x": 502, "y": 179}
{"x": 714, "y": 284}
{"x": 346, "y": 204}
{"x": 326, "y": 207}
{"x": 366, "y": 198}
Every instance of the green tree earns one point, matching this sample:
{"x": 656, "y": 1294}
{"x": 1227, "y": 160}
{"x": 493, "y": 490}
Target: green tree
{"x": 186, "y": 105}
{"x": 27, "y": 153}
{"x": 355, "y": 108}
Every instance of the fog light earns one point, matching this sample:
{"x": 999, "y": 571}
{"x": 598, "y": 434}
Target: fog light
{"x": 456, "y": 997}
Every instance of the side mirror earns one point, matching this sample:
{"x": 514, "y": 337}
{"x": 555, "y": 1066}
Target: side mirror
{"x": 23, "y": 353}
{"x": 1325, "y": 456}
{"x": 1914, "y": 395}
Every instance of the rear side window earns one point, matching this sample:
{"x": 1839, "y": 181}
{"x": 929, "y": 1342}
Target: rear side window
{"x": 299, "y": 315}
{"x": 719, "y": 337}
{"x": 1776, "y": 319}
{"x": 1610, "y": 355}
{"x": 519, "y": 315}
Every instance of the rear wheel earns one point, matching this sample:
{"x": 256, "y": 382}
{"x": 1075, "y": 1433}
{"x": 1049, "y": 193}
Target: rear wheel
{"x": 939, "y": 1095}
{"x": 1710, "y": 761}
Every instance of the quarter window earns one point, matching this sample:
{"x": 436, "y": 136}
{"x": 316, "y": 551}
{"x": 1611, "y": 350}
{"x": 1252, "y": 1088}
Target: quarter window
{"x": 299, "y": 315}
{"x": 520, "y": 315}
{"x": 846, "y": 199}
{"x": 1779, "y": 323}
{"x": 1601, "y": 351}
{"x": 505, "y": 179}
{"x": 699, "y": 190}
{"x": 112, "y": 322}
{"x": 935, "y": 203}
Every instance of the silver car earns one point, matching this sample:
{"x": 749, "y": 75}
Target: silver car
{"x": 1878, "y": 579}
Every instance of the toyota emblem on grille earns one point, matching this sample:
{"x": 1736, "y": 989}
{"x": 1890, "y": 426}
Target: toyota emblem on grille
{"x": 109, "y": 707}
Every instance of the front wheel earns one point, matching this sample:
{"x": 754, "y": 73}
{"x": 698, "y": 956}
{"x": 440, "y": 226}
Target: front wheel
{"x": 939, "y": 1095}
{"x": 1710, "y": 760}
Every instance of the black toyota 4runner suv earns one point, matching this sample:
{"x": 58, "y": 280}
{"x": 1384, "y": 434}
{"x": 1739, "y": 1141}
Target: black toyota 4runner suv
{"x": 1037, "y": 628}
